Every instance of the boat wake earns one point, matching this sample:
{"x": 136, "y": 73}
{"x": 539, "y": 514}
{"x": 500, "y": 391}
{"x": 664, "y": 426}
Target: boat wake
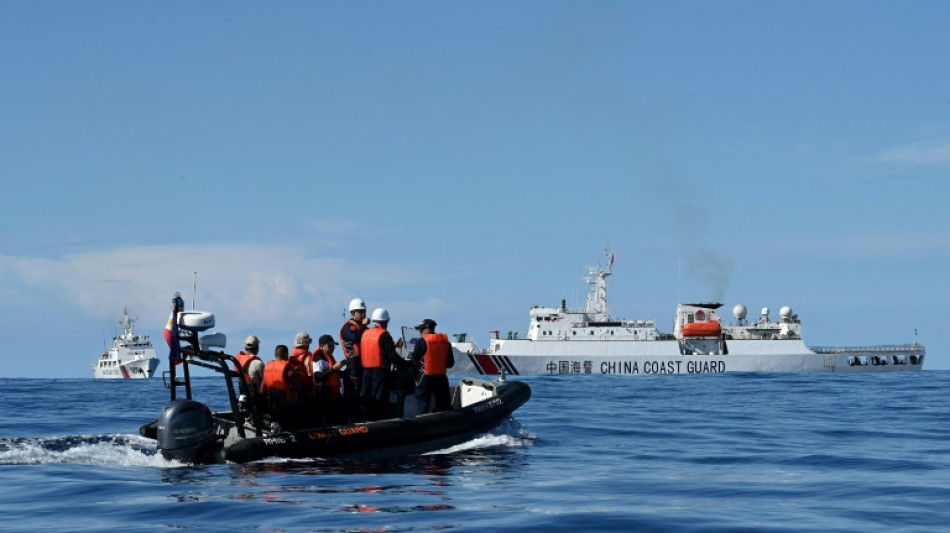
{"x": 133, "y": 450}
{"x": 100, "y": 450}
{"x": 510, "y": 434}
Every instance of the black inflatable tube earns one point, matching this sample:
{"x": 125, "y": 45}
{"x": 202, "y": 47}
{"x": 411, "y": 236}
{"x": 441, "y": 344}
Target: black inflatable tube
{"x": 387, "y": 438}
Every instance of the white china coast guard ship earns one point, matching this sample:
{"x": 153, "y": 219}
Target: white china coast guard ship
{"x": 590, "y": 341}
{"x": 130, "y": 357}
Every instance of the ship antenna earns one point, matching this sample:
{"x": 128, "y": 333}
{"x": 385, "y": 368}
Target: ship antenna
{"x": 679, "y": 279}
{"x": 194, "y": 290}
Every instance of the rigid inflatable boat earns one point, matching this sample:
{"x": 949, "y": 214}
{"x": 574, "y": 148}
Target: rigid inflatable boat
{"x": 187, "y": 430}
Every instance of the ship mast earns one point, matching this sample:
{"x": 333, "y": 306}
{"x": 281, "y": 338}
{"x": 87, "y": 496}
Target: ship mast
{"x": 597, "y": 308}
{"x": 128, "y": 324}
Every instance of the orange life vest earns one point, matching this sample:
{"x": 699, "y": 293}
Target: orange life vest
{"x": 333, "y": 380}
{"x": 370, "y": 354}
{"x": 437, "y": 353}
{"x": 244, "y": 362}
{"x": 303, "y": 362}
{"x": 346, "y": 345}
{"x": 275, "y": 377}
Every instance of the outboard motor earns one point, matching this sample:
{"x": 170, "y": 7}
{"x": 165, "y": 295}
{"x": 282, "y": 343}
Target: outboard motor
{"x": 186, "y": 432}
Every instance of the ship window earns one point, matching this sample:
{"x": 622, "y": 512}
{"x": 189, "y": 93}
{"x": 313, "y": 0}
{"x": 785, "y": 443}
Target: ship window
{"x": 573, "y": 333}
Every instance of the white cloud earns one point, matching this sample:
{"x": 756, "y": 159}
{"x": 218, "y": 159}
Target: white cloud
{"x": 244, "y": 285}
{"x": 920, "y": 154}
{"x": 914, "y": 245}
{"x": 897, "y": 244}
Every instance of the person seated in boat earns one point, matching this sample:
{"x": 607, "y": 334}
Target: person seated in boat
{"x": 326, "y": 379}
{"x": 350, "y": 333}
{"x": 378, "y": 356}
{"x": 250, "y": 364}
{"x": 432, "y": 357}
{"x": 283, "y": 387}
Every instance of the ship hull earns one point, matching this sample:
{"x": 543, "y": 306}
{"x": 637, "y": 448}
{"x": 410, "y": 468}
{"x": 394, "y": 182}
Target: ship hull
{"x": 140, "y": 369}
{"x": 661, "y": 357}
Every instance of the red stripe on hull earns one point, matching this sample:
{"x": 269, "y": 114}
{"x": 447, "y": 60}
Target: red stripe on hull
{"x": 486, "y": 365}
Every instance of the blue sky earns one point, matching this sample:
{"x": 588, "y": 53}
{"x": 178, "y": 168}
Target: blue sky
{"x": 466, "y": 160}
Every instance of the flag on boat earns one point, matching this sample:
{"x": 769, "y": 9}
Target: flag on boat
{"x": 171, "y": 337}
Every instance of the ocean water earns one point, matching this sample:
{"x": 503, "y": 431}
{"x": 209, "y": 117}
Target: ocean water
{"x": 733, "y": 452}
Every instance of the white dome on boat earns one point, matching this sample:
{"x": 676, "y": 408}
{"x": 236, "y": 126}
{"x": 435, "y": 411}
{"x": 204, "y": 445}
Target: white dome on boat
{"x": 213, "y": 340}
{"x": 739, "y": 312}
{"x": 785, "y": 312}
{"x": 196, "y": 320}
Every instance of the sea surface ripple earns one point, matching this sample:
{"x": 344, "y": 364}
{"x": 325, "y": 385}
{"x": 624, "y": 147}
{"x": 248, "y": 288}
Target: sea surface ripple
{"x": 704, "y": 453}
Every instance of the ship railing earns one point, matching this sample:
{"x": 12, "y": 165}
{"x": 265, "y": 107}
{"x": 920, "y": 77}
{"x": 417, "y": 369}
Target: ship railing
{"x": 881, "y": 348}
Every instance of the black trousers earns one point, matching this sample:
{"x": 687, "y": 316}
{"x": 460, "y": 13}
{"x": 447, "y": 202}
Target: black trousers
{"x": 437, "y": 385}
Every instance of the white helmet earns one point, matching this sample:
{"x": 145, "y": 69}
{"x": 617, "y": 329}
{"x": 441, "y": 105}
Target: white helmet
{"x": 380, "y": 315}
{"x": 356, "y": 304}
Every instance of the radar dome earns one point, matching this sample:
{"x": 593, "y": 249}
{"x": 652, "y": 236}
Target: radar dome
{"x": 765, "y": 311}
{"x": 739, "y": 312}
{"x": 785, "y": 311}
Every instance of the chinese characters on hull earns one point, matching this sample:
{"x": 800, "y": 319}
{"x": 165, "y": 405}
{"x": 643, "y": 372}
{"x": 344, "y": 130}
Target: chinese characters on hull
{"x": 636, "y": 367}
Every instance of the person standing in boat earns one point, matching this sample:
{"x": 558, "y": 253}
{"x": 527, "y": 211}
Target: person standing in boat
{"x": 250, "y": 364}
{"x": 283, "y": 387}
{"x": 378, "y": 355}
{"x": 432, "y": 357}
{"x": 302, "y": 359}
{"x": 326, "y": 378}
{"x": 350, "y": 334}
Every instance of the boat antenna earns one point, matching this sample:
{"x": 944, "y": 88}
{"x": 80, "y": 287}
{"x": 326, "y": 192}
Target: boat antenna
{"x": 194, "y": 290}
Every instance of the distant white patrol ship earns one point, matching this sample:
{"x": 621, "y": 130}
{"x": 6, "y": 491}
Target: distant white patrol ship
{"x": 130, "y": 357}
{"x": 590, "y": 341}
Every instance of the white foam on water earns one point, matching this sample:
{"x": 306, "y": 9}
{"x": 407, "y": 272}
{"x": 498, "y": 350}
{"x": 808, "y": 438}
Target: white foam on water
{"x": 100, "y": 450}
{"x": 508, "y": 435}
